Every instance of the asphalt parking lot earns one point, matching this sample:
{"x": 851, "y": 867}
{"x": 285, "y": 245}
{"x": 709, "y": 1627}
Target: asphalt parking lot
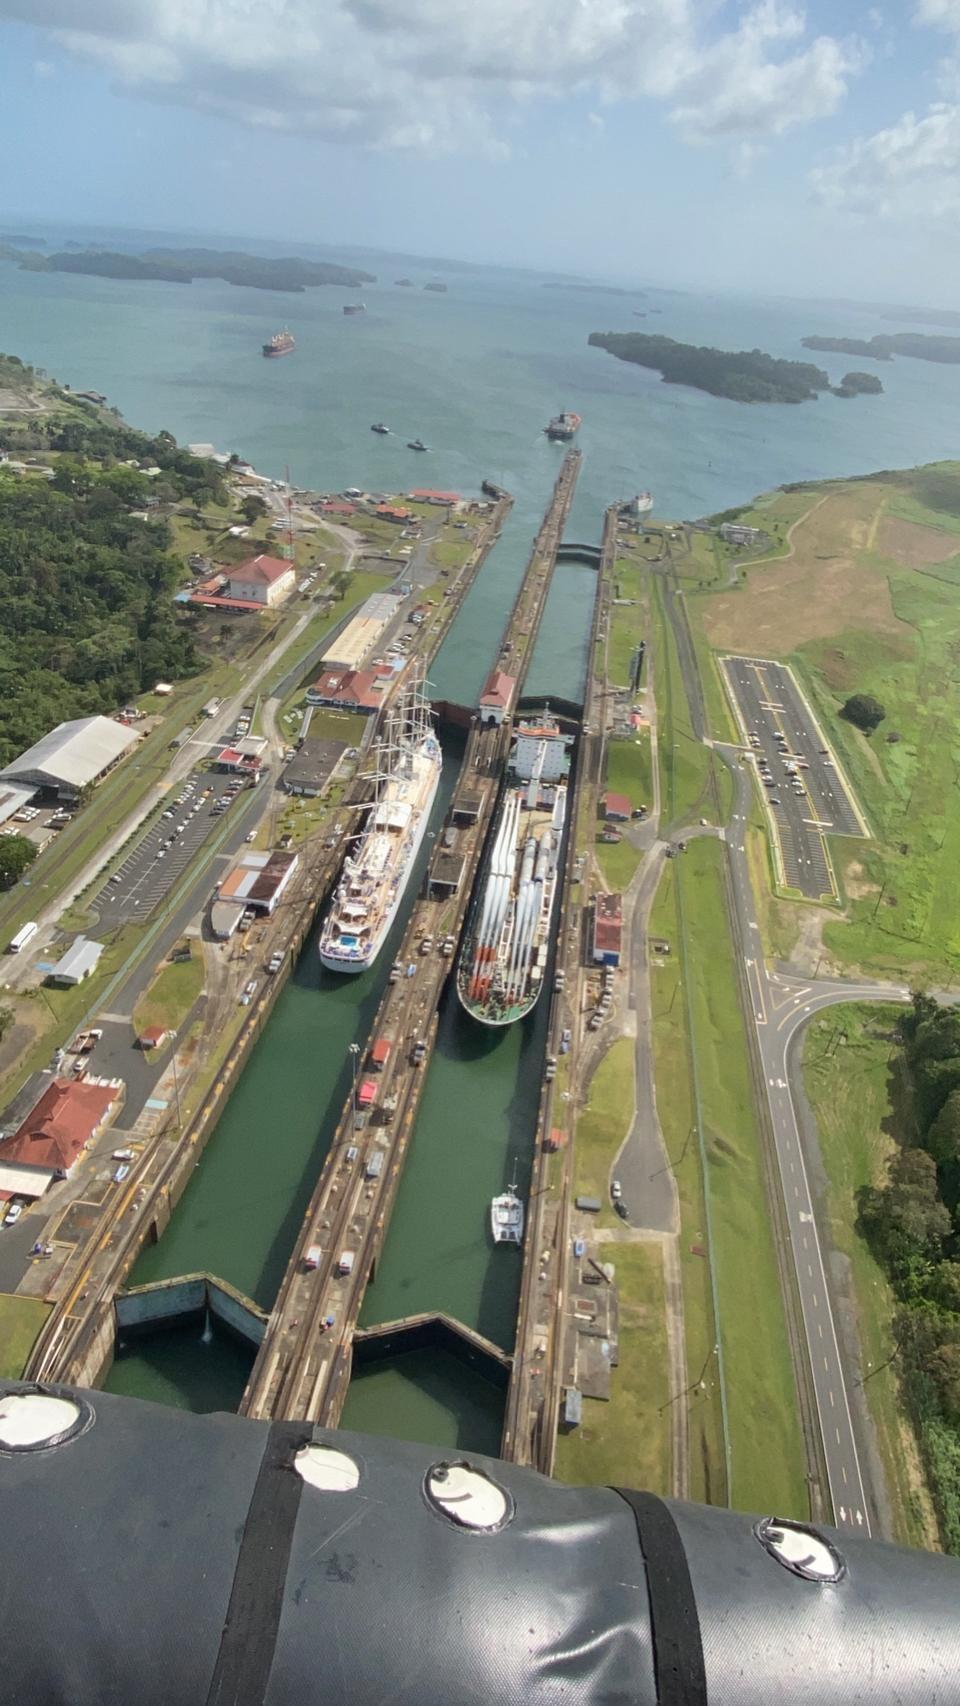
{"x": 161, "y": 856}
{"x": 813, "y": 801}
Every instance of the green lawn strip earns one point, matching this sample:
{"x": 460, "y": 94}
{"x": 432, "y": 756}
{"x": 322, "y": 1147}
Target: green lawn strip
{"x": 719, "y": 718}
{"x": 21, "y": 1319}
{"x": 847, "y": 1060}
{"x": 684, "y": 761}
{"x": 618, "y": 861}
{"x": 171, "y": 995}
{"x": 604, "y": 1123}
{"x": 626, "y": 1440}
{"x": 765, "y": 1440}
{"x": 674, "y": 1090}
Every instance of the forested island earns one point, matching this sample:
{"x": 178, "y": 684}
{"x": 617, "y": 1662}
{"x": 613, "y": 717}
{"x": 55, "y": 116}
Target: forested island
{"x": 858, "y": 385}
{"x": 886, "y": 345}
{"x": 87, "y": 618}
{"x": 746, "y": 376}
{"x": 182, "y": 266}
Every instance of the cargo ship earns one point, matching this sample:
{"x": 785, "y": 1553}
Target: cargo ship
{"x": 282, "y": 343}
{"x": 407, "y": 766}
{"x": 354, "y": 308}
{"x": 563, "y": 426}
{"x": 504, "y": 955}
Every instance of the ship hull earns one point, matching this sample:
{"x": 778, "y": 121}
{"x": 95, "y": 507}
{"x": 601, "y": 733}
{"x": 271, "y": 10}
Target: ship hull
{"x": 525, "y": 1002}
{"x": 351, "y": 966}
{"x": 275, "y": 354}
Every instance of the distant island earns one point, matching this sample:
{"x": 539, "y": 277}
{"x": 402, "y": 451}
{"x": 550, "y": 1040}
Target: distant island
{"x": 182, "y": 266}
{"x": 594, "y": 289}
{"x": 746, "y": 376}
{"x": 888, "y": 344}
{"x": 858, "y": 384}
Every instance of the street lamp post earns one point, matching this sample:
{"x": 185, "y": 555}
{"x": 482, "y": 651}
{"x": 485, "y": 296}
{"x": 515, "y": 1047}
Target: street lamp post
{"x": 354, "y": 1061}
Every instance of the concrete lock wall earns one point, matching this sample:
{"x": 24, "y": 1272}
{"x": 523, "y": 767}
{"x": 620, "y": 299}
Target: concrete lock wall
{"x": 152, "y": 1308}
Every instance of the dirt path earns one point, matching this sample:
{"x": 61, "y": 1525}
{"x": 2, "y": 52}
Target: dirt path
{"x": 791, "y": 551}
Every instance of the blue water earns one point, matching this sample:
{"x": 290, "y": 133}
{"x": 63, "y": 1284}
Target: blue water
{"x": 476, "y": 373}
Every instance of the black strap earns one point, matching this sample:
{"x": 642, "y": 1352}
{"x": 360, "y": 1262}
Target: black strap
{"x": 675, "y": 1626}
{"x": 249, "y": 1634}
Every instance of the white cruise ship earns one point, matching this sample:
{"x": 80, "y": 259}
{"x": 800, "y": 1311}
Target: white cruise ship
{"x": 506, "y": 944}
{"x": 376, "y": 873}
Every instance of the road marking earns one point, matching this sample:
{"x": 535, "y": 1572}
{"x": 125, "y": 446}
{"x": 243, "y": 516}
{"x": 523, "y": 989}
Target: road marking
{"x": 832, "y": 1406}
{"x": 820, "y": 1328}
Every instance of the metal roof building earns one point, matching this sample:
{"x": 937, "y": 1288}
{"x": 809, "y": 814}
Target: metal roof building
{"x": 72, "y": 755}
{"x": 80, "y": 961}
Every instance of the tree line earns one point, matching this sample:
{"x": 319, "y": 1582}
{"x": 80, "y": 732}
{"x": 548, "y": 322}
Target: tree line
{"x": 87, "y": 618}
{"x": 912, "y": 1223}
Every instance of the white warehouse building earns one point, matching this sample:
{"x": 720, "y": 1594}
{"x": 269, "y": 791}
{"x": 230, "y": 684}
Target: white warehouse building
{"x": 72, "y": 756}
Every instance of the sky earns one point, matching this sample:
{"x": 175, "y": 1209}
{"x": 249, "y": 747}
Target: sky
{"x": 763, "y": 146}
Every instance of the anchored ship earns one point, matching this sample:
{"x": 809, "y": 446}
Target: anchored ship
{"x": 563, "y": 426}
{"x": 375, "y": 875}
{"x": 504, "y": 954}
{"x": 280, "y": 344}
{"x": 354, "y": 308}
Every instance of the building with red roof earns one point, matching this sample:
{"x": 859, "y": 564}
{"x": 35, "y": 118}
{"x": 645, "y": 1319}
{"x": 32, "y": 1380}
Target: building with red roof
{"x": 349, "y": 689}
{"x": 262, "y": 580}
{"x": 616, "y": 808}
{"x": 607, "y": 929}
{"x": 47, "y": 1144}
{"x": 497, "y": 696}
{"x": 427, "y": 497}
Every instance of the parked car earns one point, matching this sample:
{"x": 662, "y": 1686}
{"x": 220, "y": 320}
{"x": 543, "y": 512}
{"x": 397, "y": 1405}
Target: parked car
{"x": 616, "y": 1190}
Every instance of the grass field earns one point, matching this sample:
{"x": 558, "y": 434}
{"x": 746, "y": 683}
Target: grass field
{"x": 847, "y": 1067}
{"x": 171, "y": 995}
{"x": 604, "y": 1123}
{"x": 765, "y": 1441}
{"x": 21, "y": 1319}
{"x": 868, "y": 602}
{"x": 625, "y": 1441}
{"x": 674, "y": 1088}
{"x": 685, "y": 763}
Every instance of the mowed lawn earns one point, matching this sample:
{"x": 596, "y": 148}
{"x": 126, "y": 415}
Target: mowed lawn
{"x": 848, "y": 1074}
{"x": 870, "y": 602}
{"x": 767, "y": 1461}
{"x": 674, "y": 1094}
{"x": 171, "y": 994}
{"x": 626, "y": 1441}
{"x": 604, "y": 1123}
{"x": 21, "y": 1319}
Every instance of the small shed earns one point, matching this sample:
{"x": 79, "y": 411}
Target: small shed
{"x": 153, "y": 1036}
{"x": 616, "y": 808}
{"x": 78, "y": 963}
{"x": 380, "y": 1054}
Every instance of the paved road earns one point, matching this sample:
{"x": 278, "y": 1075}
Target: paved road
{"x": 781, "y": 1006}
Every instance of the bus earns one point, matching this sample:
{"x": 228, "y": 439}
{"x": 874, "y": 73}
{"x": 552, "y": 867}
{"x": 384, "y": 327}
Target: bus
{"x": 24, "y": 935}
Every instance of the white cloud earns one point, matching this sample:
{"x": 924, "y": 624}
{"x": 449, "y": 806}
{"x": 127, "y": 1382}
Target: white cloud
{"x": 440, "y": 74}
{"x": 912, "y": 168}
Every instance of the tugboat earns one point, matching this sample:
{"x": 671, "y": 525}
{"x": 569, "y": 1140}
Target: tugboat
{"x": 280, "y": 344}
{"x": 563, "y": 426}
{"x": 379, "y": 427}
{"x": 416, "y": 444}
{"x": 506, "y": 1215}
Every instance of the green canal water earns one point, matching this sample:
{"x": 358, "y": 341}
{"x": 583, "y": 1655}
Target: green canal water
{"x": 240, "y": 1215}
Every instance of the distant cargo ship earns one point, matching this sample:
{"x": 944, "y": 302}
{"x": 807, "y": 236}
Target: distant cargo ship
{"x": 563, "y": 426}
{"x": 354, "y": 308}
{"x": 504, "y": 955}
{"x": 374, "y": 876}
{"x": 642, "y": 503}
{"x": 280, "y": 344}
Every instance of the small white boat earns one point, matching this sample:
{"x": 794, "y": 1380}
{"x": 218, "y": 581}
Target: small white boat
{"x": 506, "y": 1217}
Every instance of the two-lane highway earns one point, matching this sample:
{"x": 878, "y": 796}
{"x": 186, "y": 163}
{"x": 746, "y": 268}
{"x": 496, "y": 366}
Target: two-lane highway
{"x": 781, "y": 1007}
